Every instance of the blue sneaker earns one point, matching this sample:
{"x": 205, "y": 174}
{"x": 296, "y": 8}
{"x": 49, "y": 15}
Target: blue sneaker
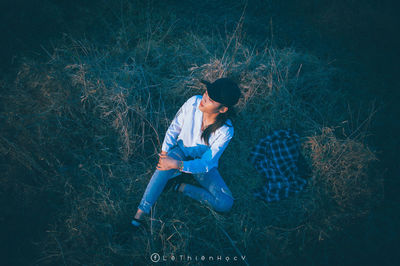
{"x": 137, "y": 222}
{"x": 140, "y": 224}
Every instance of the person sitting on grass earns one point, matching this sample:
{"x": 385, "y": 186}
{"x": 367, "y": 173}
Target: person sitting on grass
{"x": 195, "y": 140}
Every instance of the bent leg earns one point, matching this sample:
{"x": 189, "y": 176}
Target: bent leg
{"x": 214, "y": 192}
{"x": 158, "y": 181}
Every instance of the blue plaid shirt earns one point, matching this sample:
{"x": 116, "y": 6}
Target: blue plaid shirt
{"x": 276, "y": 157}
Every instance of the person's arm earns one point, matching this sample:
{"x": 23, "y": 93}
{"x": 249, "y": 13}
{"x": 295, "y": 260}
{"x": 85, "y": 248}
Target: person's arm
{"x": 175, "y": 127}
{"x": 209, "y": 159}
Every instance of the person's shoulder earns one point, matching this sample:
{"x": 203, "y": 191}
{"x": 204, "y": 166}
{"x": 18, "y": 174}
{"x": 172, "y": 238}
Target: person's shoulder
{"x": 194, "y": 100}
{"x": 230, "y": 130}
{"x": 227, "y": 129}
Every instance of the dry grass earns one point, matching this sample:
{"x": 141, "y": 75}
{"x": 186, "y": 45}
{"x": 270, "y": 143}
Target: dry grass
{"x": 89, "y": 122}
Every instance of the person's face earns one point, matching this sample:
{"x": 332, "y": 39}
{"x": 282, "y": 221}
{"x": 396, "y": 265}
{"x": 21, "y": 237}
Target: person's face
{"x": 207, "y": 105}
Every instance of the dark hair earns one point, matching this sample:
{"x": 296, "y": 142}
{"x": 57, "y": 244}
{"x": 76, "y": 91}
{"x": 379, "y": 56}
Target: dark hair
{"x": 219, "y": 122}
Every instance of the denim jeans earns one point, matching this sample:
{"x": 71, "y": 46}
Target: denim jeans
{"x": 213, "y": 191}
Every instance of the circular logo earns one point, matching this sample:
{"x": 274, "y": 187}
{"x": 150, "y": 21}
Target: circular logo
{"x": 155, "y": 257}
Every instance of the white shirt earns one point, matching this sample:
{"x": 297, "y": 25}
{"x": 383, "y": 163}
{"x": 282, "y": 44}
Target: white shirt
{"x": 185, "y": 131}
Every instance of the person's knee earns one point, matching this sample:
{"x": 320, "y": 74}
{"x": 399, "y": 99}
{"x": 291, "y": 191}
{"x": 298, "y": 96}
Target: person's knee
{"x": 224, "y": 205}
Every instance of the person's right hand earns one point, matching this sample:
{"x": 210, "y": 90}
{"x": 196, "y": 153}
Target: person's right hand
{"x": 162, "y": 153}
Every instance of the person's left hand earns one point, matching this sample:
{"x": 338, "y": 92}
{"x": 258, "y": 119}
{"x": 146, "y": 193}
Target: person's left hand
{"x": 166, "y": 162}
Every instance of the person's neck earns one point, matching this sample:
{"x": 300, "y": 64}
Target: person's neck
{"x": 209, "y": 118}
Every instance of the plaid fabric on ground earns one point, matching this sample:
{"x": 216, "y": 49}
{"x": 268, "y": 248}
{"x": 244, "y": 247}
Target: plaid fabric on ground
{"x": 276, "y": 157}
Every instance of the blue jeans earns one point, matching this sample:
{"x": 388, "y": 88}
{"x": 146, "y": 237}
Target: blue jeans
{"x": 213, "y": 191}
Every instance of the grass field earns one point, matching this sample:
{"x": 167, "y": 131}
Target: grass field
{"x": 83, "y": 121}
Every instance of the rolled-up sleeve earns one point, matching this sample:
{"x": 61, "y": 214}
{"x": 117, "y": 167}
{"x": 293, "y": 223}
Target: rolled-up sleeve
{"x": 210, "y": 157}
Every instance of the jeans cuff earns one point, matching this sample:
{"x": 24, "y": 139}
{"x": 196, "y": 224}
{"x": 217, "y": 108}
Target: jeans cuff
{"x": 145, "y": 206}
